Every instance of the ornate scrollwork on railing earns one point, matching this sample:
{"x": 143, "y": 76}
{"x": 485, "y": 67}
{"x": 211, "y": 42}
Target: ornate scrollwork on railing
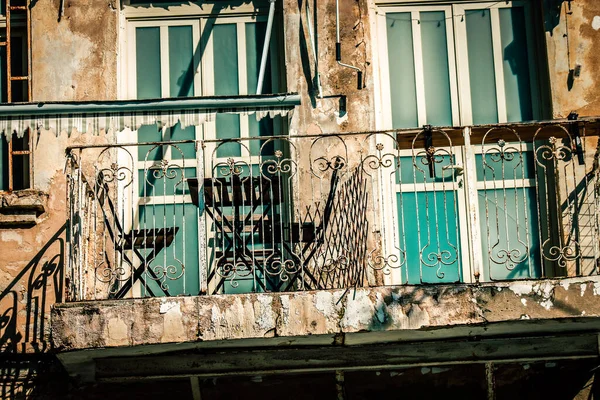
{"x": 560, "y": 254}
{"x": 232, "y": 272}
{"x": 506, "y": 215}
{"x": 111, "y": 275}
{"x": 278, "y": 166}
{"x": 163, "y": 274}
{"x": 437, "y": 249}
{"x": 328, "y": 153}
{"x": 282, "y": 268}
{"x": 560, "y": 224}
{"x": 123, "y": 175}
{"x": 382, "y": 167}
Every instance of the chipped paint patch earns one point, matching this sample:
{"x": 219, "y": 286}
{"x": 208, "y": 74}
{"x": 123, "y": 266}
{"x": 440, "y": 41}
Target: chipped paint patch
{"x": 380, "y": 306}
{"x": 167, "y": 306}
{"x": 583, "y": 287}
{"x": 521, "y": 288}
{"x": 117, "y": 331}
{"x": 524, "y": 301}
{"x": 12, "y": 236}
{"x": 324, "y": 302}
{"x": 596, "y": 288}
{"x": 341, "y": 120}
{"x": 547, "y": 304}
{"x": 596, "y": 23}
{"x": 265, "y": 317}
{"x": 359, "y": 311}
{"x": 545, "y": 290}
{"x": 285, "y": 309}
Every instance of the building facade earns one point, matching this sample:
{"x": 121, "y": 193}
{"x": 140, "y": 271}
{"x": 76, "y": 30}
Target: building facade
{"x": 333, "y": 199}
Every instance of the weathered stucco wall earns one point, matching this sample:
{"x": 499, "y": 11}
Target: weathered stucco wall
{"x": 75, "y": 59}
{"x": 573, "y": 39}
{"x": 410, "y": 311}
{"x": 316, "y": 115}
{"x": 72, "y": 59}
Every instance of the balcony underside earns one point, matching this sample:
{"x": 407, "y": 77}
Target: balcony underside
{"x": 329, "y": 330}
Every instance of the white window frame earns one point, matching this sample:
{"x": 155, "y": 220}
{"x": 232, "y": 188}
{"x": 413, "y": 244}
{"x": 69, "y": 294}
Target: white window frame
{"x": 472, "y": 252}
{"x": 456, "y": 38}
{"x": 463, "y": 61}
{"x": 198, "y": 18}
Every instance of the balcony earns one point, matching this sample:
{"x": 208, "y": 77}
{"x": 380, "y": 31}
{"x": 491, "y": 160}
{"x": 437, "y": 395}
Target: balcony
{"x": 447, "y": 244}
{"x": 283, "y": 214}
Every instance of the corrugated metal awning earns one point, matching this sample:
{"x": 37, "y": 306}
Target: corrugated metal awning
{"x": 93, "y": 117}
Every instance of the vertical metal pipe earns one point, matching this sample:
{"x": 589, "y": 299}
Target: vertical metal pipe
{"x": 337, "y": 22}
{"x": 202, "y": 258}
{"x": 265, "y": 52}
{"x": 314, "y": 49}
{"x": 338, "y": 46}
{"x": 470, "y": 179}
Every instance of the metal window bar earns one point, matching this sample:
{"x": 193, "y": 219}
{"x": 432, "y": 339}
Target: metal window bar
{"x": 13, "y": 154}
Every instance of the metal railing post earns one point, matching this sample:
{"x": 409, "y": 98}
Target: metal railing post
{"x": 470, "y": 168}
{"x": 202, "y": 250}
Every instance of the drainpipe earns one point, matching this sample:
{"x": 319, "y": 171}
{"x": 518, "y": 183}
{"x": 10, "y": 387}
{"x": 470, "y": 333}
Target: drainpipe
{"x": 338, "y": 45}
{"x": 265, "y": 52}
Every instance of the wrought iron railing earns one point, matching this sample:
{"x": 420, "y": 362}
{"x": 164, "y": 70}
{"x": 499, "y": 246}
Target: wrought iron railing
{"x": 337, "y": 211}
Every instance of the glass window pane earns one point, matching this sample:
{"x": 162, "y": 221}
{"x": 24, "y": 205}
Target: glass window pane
{"x": 225, "y": 59}
{"x": 181, "y": 255}
{"x": 264, "y": 127}
{"x": 181, "y": 61}
{"x": 183, "y": 150}
{"x": 403, "y": 90}
{"x": 3, "y": 77}
{"x": 435, "y": 68}
{"x": 228, "y": 127}
{"x": 3, "y": 163}
{"x": 147, "y": 52}
{"x": 509, "y": 237}
{"x": 149, "y": 133}
{"x": 516, "y": 64}
{"x": 481, "y": 67}
{"x": 21, "y": 171}
{"x": 514, "y": 164}
{"x": 417, "y": 169}
{"x": 430, "y": 228}
{"x": 255, "y": 39}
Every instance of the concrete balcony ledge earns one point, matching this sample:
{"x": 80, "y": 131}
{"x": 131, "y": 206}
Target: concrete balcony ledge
{"x": 367, "y": 315}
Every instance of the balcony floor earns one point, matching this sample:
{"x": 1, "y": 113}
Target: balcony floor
{"x": 328, "y": 330}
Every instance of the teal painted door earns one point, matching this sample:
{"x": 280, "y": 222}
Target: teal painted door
{"x": 429, "y": 201}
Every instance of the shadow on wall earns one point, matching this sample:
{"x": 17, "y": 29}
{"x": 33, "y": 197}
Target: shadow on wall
{"x": 552, "y": 14}
{"x": 24, "y": 304}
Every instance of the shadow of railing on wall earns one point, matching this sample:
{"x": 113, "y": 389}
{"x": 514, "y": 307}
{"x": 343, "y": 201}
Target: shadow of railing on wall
{"x": 25, "y": 361}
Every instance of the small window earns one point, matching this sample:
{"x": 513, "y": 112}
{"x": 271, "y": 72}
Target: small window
{"x": 458, "y": 64}
{"x": 16, "y": 154}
